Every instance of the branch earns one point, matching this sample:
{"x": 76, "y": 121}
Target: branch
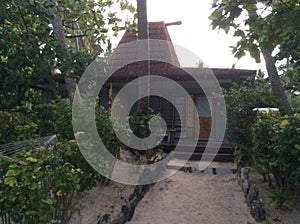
{"x": 71, "y": 36}
{"x": 23, "y": 19}
{"x": 75, "y": 36}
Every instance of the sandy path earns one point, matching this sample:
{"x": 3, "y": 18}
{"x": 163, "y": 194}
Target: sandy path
{"x": 189, "y": 198}
{"x": 102, "y": 199}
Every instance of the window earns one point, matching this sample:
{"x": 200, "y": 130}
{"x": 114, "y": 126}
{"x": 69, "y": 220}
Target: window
{"x": 203, "y": 107}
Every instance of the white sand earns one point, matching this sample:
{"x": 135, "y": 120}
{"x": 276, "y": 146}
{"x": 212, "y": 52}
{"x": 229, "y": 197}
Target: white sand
{"x": 185, "y": 198}
{"x": 99, "y": 201}
{"x": 189, "y": 198}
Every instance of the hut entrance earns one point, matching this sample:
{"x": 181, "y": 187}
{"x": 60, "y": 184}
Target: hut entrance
{"x": 205, "y": 117}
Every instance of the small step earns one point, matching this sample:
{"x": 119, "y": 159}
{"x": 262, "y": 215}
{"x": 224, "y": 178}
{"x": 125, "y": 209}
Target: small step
{"x": 219, "y": 157}
{"x": 175, "y": 163}
{"x": 200, "y": 147}
{"x": 206, "y": 168}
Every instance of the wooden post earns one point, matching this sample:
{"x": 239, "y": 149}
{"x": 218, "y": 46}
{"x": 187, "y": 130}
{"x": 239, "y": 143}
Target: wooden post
{"x": 144, "y": 66}
{"x": 142, "y": 20}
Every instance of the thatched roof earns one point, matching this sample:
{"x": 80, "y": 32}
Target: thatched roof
{"x": 164, "y": 50}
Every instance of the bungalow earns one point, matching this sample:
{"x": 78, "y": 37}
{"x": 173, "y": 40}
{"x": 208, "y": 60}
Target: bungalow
{"x": 207, "y": 105}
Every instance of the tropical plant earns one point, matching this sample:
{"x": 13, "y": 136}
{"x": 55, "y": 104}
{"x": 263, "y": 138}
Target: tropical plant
{"x": 43, "y": 41}
{"x": 38, "y": 187}
{"x": 263, "y": 27}
{"x": 276, "y": 148}
{"x": 241, "y": 101}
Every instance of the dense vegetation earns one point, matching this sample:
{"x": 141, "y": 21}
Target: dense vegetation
{"x": 41, "y": 43}
{"x": 268, "y": 142}
{"x": 39, "y": 185}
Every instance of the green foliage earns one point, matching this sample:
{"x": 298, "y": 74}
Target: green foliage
{"x": 291, "y": 82}
{"x": 142, "y": 125}
{"x": 259, "y": 24}
{"x": 139, "y": 124}
{"x": 71, "y": 154}
{"x": 25, "y": 123}
{"x": 24, "y": 28}
{"x": 276, "y": 148}
{"x": 241, "y": 101}
{"x": 38, "y": 187}
{"x": 15, "y": 126}
{"x": 268, "y": 143}
{"x": 54, "y": 118}
{"x": 263, "y": 28}
{"x": 106, "y": 131}
{"x": 30, "y": 54}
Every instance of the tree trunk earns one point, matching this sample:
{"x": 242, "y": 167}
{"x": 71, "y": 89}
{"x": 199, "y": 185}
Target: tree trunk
{"x": 275, "y": 82}
{"x": 277, "y": 88}
{"x": 144, "y": 65}
{"x": 58, "y": 31}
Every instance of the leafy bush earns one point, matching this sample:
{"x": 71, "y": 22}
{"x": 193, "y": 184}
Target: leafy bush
{"x": 240, "y": 102}
{"x": 54, "y": 118}
{"x": 106, "y": 132}
{"x": 139, "y": 123}
{"x": 268, "y": 143}
{"x": 276, "y": 149}
{"x": 16, "y": 126}
{"x": 39, "y": 186}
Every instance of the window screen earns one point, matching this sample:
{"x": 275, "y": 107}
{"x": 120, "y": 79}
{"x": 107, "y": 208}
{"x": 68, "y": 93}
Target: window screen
{"x": 203, "y": 107}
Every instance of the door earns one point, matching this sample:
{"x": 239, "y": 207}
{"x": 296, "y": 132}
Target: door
{"x": 205, "y": 117}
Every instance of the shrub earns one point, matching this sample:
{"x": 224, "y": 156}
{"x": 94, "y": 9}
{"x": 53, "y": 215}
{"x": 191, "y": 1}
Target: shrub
{"x": 240, "y": 102}
{"x": 276, "y": 150}
{"x": 54, "y": 118}
{"x": 16, "y": 126}
{"x": 39, "y": 186}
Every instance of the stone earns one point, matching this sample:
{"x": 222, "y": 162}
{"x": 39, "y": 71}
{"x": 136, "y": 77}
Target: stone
{"x": 245, "y": 187}
{"x": 244, "y": 174}
{"x": 257, "y": 210}
{"x": 105, "y": 219}
{"x": 252, "y": 195}
{"x": 128, "y": 211}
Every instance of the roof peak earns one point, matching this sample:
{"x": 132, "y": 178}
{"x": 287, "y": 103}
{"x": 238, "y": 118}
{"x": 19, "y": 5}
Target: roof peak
{"x": 157, "y": 31}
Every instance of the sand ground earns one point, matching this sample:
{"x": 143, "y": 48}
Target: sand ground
{"x": 184, "y": 198}
{"x": 193, "y": 198}
{"x": 286, "y": 215}
{"x": 99, "y": 201}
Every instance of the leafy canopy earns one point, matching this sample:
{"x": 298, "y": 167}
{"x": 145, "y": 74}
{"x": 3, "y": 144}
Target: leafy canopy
{"x": 272, "y": 24}
{"x": 29, "y": 53}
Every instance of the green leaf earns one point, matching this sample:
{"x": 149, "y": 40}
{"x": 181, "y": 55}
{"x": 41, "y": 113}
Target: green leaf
{"x": 216, "y": 15}
{"x": 11, "y": 173}
{"x": 239, "y": 33}
{"x": 31, "y": 213}
{"x": 4, "y": 59}
{"x": 31, "y": 159}
{"x": 10, "y": 181}
{"x": 48, "y": 201}
{"x": 250, "y": 7}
